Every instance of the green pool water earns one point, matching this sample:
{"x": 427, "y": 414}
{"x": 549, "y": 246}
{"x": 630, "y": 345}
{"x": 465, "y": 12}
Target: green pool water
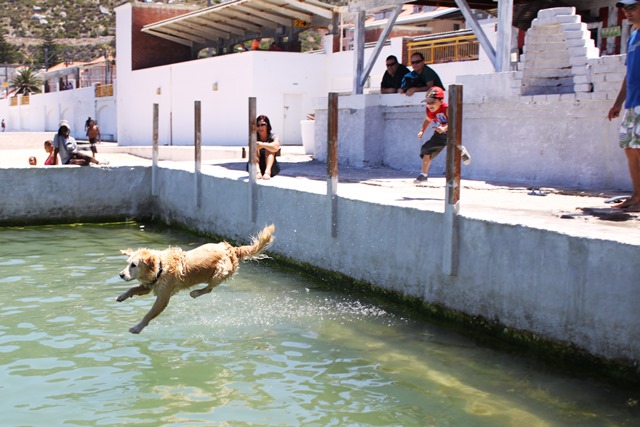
{"x": 266, "y": 349}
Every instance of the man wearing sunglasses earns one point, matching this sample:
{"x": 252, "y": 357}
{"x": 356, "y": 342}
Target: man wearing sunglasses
{"x": 630, "y": 95}
{"x": 392, "y": 78}
{"x": 421, "y": 79}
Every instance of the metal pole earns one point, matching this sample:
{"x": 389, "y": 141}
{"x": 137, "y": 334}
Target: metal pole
{"x": 358, "y": 49}
{"x": 253, "y": 167}
{"x": 450, "y": 247}
{"x": 198, "y": 151}
{"x": 332, "y": 160}
{"x": 503, "y": 49}
{"x": 154, "y": 167}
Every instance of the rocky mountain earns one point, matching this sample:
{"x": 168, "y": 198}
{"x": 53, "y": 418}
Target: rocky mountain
{"x": 79, "y": 30}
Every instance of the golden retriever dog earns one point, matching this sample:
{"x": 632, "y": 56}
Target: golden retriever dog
{"x": 168, "y": 271}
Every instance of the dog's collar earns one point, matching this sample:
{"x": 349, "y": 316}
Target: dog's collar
{"x": 155, "y": 279}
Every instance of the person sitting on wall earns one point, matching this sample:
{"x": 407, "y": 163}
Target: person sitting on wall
{"x": 255, "y": 45}
{"x": 33, "y": 161}
{"x": 267, "y": 146}
{"x": 421, "y": 79}
{"x": 392, "y": 78}
{"x": 51, "y": 158}
{"x": 67, "y": 147}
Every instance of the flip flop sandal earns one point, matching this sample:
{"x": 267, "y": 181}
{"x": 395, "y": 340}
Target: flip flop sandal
{"x": 617, "y": 199}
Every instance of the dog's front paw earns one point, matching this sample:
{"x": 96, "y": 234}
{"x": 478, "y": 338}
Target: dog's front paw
{"x": 136, "y": 329}
{"x": 195, "y": 294}
{"x": 122, "y": 297}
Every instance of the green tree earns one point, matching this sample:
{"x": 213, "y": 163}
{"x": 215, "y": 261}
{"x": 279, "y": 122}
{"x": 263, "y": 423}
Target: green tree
{"x": 26, "y": 81}
{"x": 9, "y": 53}
{"x": 48, "y": 53}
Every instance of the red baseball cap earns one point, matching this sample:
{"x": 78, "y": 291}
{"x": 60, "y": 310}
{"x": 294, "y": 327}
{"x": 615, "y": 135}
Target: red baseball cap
{"x": 434, "y": 93}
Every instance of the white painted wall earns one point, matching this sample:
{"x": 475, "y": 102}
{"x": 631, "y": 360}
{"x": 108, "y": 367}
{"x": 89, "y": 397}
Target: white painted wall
{"x": 223, "y": 85}
{"x": 45, "y": 110}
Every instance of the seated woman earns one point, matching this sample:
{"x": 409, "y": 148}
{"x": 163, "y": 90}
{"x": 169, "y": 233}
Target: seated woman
{"x": 267, "y": 145}
{"x": 66, "y": 146}
{"x": 48, "y": 147}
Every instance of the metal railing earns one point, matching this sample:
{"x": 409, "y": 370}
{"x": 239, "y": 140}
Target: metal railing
{"x": 104, "y": 90}
{"x": 449, "y": 49}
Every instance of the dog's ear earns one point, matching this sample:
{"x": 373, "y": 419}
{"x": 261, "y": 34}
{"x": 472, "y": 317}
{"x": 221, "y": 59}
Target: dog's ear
{"x": 149, "y": 260}
{"x": 127, "y": 252}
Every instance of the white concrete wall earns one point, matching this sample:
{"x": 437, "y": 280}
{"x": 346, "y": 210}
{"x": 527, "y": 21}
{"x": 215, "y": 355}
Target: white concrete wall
{"x": 45, "y": 110}
{"x": 55, "y": 194}
{"x": 559, "y": 286}
{"x": 223, "y": 85}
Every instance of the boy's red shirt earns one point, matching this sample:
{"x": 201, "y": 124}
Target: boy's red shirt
{"x": 440, "y": 116}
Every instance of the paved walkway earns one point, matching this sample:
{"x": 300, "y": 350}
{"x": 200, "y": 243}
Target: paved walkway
{"x": 560, "y": 210}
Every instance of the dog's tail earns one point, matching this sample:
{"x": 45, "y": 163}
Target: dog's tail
{"x": 258, "y": 245}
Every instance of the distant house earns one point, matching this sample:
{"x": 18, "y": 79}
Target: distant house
{"x": 64, "y": 76}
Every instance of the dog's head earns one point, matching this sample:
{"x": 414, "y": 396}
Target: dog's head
{"x": 141, "y": 265}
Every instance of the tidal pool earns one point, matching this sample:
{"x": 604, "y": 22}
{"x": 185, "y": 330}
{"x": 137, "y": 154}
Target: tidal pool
{"x": 266, "y": 349}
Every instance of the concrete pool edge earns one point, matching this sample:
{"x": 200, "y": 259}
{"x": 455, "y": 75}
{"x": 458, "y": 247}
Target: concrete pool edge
{"x": 564, "y": 288}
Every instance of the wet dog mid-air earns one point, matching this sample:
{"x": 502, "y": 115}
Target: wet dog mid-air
{"x": 171, "y": 270}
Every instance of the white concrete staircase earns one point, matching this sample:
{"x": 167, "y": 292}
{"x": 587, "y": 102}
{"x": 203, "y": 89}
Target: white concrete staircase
{"x": 558, "y": 47}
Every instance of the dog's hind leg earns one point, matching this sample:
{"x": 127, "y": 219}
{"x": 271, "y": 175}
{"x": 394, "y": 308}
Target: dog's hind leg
{"x": 212, "y": 284}
{"x": 136, "y": 290}
{"x": 223, "y": 272}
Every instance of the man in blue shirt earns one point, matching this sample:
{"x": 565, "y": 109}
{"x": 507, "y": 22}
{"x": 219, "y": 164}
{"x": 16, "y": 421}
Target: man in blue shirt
{"x": 421, "y": 79}
{"x": 630, "y": 95}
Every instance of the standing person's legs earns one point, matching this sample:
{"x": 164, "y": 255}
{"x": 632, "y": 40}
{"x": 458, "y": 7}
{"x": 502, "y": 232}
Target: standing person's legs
{"x": 630, "y": 142}
{"x": 633, "y": 159}
{"x": 92, "y": 146}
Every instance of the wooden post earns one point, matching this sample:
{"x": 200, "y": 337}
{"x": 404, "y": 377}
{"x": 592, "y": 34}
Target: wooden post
{"x": 154, "y": 151}
{"x": 452, "y": 199}
{"x": 332, "y": 160}
{"x": 197, "y": 125}
{"x": 253, "y": 166}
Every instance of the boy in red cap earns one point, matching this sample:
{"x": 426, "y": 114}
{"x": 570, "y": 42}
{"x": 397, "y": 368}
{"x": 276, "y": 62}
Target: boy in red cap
{"x": 436, "y": 114}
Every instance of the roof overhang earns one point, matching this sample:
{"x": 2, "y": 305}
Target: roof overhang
{"x": 243, "y": 20}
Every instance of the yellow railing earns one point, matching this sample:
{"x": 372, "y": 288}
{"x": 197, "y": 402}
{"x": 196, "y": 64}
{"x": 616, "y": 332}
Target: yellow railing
{"x": 14, "y": 101}
{"x": 104, "y": 90}
{"x": 24, "y": 100}
{"x": 451, "y": 49}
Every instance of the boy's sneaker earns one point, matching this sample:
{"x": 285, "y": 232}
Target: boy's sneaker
{"x": 421, "y": 179}
{"x": 466, "y": 157}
